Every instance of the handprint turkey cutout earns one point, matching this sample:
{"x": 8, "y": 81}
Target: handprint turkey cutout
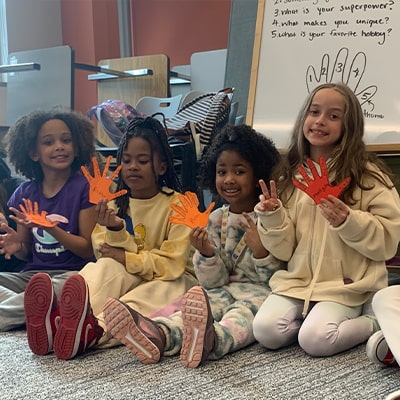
{"x": 341, "y": 72}
{"x": 188, "y": 213}
{"x": 100, "y": 183}
{"x": 318, "y": 186}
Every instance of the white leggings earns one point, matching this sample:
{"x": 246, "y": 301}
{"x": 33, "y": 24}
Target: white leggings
{"x": 329, "y": 328}
{"x": 386, "y": 305}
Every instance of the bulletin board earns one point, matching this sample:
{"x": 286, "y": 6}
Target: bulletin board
{"x": 300, "y": 44}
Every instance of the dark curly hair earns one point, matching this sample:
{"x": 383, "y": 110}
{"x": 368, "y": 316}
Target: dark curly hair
{"x": 21, "y": 139}
{"x": 254, "y": 147}
{"x": 151, "y": 130}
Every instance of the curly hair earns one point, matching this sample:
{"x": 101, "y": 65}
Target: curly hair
{"x": 349, "y": 158}
{"x": 151, "y": 130}
{"x": 21, "y": 139}
{"x": 253, "y": 146}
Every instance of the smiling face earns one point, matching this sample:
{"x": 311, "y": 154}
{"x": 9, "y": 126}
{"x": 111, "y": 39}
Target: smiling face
{"x": 323, "y": 124}
{"x": 235, "y": 181}
{"x": 54, "y": 149}
{"x": 141, "y": 169}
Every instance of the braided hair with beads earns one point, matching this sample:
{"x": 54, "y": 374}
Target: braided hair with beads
{"x": 151, "y": 130}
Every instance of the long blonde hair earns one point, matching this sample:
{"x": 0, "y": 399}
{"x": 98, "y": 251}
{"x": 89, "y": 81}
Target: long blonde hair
{"x": 349, "y": 158}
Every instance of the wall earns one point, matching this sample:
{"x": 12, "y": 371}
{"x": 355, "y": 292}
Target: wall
{"x": 41, "y": 22}
{"x": 173, "y": 27}
{"x": 240, "y": 53}
{"x": 90, "y": 27}
{"x": 33, "y": 24}
{"x": 177, "y": 28}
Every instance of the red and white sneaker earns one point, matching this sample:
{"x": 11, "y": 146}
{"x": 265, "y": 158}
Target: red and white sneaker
{"x": 378, "y": 350}
{"x": 78, "y": 329}
{"x": 41, "y": 313}
{"x": 199, "y": 337}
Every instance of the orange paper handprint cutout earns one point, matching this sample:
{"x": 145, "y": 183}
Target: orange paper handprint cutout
{"x": 100, "y": 183}
{"x": 318, "y": 187}
{"x": 32, "y": 214}
{"x": 188, "y": 213}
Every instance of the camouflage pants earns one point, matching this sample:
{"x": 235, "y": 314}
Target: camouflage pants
{"x": 233, "y": 307}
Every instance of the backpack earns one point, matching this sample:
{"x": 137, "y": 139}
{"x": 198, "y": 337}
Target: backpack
{"x": 114, "y": 116}
{"x": 201, "y": 119}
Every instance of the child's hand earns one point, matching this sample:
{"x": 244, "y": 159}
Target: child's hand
{"x": 32, "y": 216}
{"x": 100, "y": 183}
{"x": 334, "y": 210}
{"x": 19, "y": 217}
{"x": 9, "y": 242}
{"x": 319, "y": 187}
{"x": 106, "y": 216}
{"x": 189, "y": 214}
{"x": 268, "y": 201}
{"x": 117, "y": 253}
{"x": 199, "y": 240}
{"x": 3, "y": 220}
{"x": 252, "y": 237}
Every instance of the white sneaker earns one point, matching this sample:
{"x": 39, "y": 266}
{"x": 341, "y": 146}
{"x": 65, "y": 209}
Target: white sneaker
{"x": 378, "y": 351}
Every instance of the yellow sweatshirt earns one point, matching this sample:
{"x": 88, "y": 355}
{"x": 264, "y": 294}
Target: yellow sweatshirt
{"x": 159, "y": 249}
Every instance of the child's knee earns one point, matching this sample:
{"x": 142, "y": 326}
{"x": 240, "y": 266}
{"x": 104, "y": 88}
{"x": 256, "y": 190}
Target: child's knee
{"x": 314, "y": 340}
{"x": 266, "y": 332}
{"x": 384, "y": 297}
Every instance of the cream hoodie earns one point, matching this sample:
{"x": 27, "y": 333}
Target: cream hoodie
{"x": 345, "y": 264}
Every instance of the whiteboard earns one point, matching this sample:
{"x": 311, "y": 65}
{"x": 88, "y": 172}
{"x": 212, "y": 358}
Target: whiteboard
{"x": 302, "y": 43}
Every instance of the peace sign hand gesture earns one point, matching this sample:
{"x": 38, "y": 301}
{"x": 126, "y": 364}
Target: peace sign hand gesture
{"x": 269, "y": 198}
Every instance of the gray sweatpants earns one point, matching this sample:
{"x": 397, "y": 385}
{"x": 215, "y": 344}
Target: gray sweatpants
{"x": 12, "y": 288}
{"x": 329, "y": 328}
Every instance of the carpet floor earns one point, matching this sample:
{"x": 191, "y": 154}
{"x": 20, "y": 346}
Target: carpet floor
{"x": 253, "y": 373}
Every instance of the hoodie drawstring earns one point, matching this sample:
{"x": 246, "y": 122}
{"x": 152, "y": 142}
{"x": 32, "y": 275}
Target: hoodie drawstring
{"x": 314, "y": 279}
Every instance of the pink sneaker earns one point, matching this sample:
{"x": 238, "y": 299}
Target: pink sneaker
{"x": 41, "y": 313}
{"x": 78, "y": 329}
{"x": 140, "y": 334}
{"x": 199, "y": 336}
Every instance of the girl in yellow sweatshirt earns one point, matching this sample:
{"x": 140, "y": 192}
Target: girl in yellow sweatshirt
{"x": 142, "y": 258}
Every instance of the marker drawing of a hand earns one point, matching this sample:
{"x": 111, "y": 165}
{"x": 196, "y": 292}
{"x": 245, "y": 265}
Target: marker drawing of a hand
{"x": 340, "y": 71}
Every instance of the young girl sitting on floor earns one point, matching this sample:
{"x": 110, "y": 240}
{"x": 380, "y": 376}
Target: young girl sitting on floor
{"x": 48, "y": 148}
{"x": 142, "y": 258}
{"x": 336, "y": 221}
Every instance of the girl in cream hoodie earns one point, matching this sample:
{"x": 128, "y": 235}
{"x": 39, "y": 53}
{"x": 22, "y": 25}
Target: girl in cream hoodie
{"x": 335, "y": 222}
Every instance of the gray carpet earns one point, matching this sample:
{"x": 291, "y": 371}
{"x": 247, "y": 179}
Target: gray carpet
{"x": 253, "y": 373}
